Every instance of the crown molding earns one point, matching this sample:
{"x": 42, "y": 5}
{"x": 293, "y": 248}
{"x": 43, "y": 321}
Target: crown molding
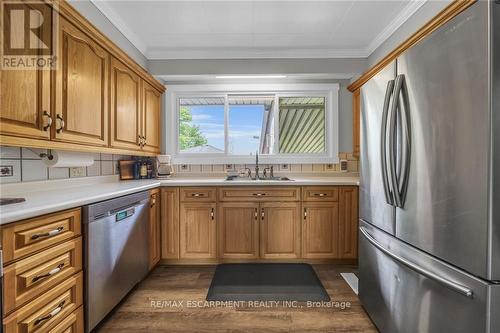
{"x": 120, "y": 24}
{"x": 394, "y": 25}
{"x": 250, "y": 53}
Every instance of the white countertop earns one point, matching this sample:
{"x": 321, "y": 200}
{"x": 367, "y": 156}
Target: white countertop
{"x": 51, "y": 196}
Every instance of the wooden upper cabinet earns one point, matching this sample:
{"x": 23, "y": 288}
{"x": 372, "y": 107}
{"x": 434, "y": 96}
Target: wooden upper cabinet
{"x": 81, "y": 113}
{"x": 125, "y": 107}
{"x": 238, "y": 230}
{"x": 25, "y": 99}
{"x": 151, "y": 117}
{"x": 280, "y": 230}
{"x": 198, "y": 230}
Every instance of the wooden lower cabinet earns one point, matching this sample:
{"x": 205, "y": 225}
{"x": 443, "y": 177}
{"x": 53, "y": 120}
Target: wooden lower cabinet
{"x": 238, "y": 230}
{"x": 154, "y": 228}
{"x": 280, "y": 230}
{"x": 348, "y": 222}
{"x": 198, "y": 230}
{"x": 170, "y": 223}
{"x": 320, "y": 230}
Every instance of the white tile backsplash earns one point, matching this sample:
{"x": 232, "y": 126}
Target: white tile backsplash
{"x": 10, "y": 152}
{"x": 16, "y": 171}
{"x": 32, "y": 153}
{"x": 94, "y": 169}
{"x": 58, "y": 173}
{"x": 33, "y": 170}
{"x": 28, "y": 166}
{"x": 107, "y": 168}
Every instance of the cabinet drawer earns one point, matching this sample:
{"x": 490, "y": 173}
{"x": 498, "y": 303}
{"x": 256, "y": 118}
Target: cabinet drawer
{"x": 32, "y": 276}
{"x": 73, "y": 323}
{"x": 45, "y": 312}
{"x": 198, "y": 194}
{"x": 320, "y": 193}
{"x": 259, "y": 193}
{"x": 27, "y": 237}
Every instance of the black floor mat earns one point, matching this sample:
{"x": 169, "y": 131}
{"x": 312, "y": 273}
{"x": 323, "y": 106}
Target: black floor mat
{"x": 266, "y": 282}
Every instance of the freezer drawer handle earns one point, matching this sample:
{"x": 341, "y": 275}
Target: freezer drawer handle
{"x": 449, "y": 284}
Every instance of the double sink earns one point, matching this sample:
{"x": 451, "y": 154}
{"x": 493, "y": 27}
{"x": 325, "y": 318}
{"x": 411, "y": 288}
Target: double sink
{"x": 238, "y": 178}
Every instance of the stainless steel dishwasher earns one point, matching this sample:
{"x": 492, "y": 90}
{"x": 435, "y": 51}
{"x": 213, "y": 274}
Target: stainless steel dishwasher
{"x": 116, "y": 252}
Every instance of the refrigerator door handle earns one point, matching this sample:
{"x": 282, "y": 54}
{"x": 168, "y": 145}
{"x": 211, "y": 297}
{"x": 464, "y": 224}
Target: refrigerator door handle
{"x": 444, "y": 281}
{"x": 395, "y": 107}
{"x": 383, "y": 143}
{"x": 405, "y": 158}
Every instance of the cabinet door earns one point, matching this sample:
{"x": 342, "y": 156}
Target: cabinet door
{"x": 280, "y": 230}
{"x": 198, "y": 230}
{"x": 170, "y": 223}
{"x": 320, "y": 230}
{"x": 25, "y": 96}
{"x": 348, "y": 222}
{"x": 154, "y": 228}
{"x": 81, "y": 113}
{"x": 238, "y": 230}
{"x": 151, "y": 118}
{"x": 125, "y": 107}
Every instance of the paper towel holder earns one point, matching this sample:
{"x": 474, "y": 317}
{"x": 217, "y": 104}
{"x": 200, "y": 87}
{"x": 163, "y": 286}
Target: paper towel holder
{"x": 48, "y": 155}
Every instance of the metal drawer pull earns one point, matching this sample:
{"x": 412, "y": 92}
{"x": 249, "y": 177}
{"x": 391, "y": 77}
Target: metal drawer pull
{"x": 196, "y": 195}
{"x": 49, "y": 121}
{"x": 258, "y": 194}
{"x": 52, "y": 314}
{"x": 320, "y": 194}
{"x": 48, "y": 234}
{"x": 444, "y": 281}
{"x": 52, "y": 272}
{"x": 61, "y": 121}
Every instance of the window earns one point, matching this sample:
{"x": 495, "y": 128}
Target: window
{"x": 231, "y": 126}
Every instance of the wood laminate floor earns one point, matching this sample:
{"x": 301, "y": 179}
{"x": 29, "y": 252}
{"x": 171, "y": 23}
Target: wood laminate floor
{"x": 166, "y": 301}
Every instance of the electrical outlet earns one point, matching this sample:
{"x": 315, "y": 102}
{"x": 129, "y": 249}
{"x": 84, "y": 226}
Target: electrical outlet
{"x": 229, "y": 167}
{"x": 329, "y": 167}
{"x": 77, "y": 172}
{"x": 184, "y": 167}
{"x": 284, "y": 167}
{"x": 6, "y": 171}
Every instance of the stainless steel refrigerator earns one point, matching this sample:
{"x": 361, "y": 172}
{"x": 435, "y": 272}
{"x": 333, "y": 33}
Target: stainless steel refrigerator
{"x": 429, "y": 256}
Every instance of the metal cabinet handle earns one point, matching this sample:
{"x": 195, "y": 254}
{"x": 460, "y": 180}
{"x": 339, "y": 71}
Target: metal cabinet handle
{"x": 197, "y": 195}
{"x": 256, "y": 214}
{"x": 52, "y": 314}
{"x": 320, "y": 194}
{"x": 212, "y": 214}
{"x": 153, "y": 201}
{"x": 305, "y": 214}
{"x": 52, "y": 272}
{"x": 49, "y": 120}
{"x": 48, "y": 234}
{"x": 61, "y": 122}
{"x": 262, "y": 214}
{"x": 444, "y": 281}
{"x": 258, "y": 194}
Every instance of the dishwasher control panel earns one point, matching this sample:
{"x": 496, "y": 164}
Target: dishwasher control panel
{"x": 124, "y": 214}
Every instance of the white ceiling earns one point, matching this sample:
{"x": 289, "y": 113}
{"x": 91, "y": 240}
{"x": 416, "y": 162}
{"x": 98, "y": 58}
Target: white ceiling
{"x": 165, "y": 29}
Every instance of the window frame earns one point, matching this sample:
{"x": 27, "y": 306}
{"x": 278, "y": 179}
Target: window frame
{"x": 329, "y": 91}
